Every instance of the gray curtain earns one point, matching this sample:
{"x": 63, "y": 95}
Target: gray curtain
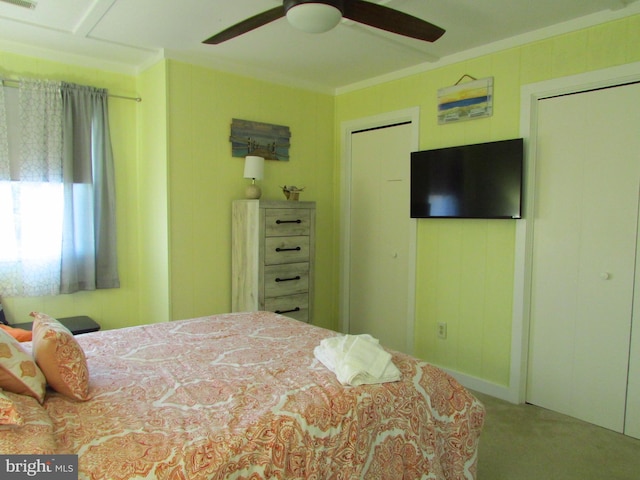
{"x": 89, "y": 253}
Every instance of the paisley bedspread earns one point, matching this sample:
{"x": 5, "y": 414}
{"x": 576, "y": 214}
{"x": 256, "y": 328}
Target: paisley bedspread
{"x": 241, "y": 396}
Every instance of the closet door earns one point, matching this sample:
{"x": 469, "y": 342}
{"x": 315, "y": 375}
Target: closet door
{"x": 584, "y": 251}
{"x": 380, "y": 235}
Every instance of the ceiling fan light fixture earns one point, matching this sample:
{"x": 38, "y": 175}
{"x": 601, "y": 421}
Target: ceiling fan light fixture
{"x": 314, "y": 17}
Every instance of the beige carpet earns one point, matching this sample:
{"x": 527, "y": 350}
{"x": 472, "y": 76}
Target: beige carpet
{"x": 525, "y": 442}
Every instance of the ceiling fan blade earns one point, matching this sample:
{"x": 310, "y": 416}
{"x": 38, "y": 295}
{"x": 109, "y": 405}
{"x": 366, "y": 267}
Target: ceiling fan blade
{"x": 391, "y": 20}
{"x": 246, "y": 25}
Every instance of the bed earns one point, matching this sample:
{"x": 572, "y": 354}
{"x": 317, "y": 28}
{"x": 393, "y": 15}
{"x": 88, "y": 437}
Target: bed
{"x": 242, "y": 396}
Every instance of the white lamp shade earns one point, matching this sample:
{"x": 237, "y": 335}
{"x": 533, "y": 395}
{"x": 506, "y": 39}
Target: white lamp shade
{"x": 253, "y": 167}
{"x": 314, "y": 17}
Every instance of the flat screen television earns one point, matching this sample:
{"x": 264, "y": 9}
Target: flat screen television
{"x": 483, "y": 180}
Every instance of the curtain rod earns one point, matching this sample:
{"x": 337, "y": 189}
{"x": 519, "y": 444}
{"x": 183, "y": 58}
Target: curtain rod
{"x": 7, "y": 82}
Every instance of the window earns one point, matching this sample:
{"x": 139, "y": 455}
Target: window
{"x": 56, "y": 190}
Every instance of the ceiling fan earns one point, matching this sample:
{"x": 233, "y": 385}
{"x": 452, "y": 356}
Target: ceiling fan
{"x": 316, "y": 16}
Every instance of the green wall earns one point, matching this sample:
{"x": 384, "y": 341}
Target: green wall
{"x": 152, "y": 201}
{"x": 204, "y": 178}
{"x": 465, "y": 268}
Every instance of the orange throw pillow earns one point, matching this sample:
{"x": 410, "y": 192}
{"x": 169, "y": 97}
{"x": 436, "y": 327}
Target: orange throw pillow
{"x": 60, "y": 357}
{"x": 18, "y": 333}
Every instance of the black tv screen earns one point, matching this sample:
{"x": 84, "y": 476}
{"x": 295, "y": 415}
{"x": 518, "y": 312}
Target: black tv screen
{"x": 471, "y": 181}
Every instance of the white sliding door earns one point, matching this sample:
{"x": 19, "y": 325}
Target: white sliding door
{"x": 584, "y": 254}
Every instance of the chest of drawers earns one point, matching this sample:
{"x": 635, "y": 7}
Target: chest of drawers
{"x": 272, "y": 257}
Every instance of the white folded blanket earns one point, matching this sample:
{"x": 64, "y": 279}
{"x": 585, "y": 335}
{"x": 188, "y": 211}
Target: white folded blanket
{"x": 357, "y": 360}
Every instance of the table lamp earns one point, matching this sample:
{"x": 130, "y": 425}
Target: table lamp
{"x": 253, "y": 169}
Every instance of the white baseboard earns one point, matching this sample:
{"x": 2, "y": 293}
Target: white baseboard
{"x": 483, "y": 386}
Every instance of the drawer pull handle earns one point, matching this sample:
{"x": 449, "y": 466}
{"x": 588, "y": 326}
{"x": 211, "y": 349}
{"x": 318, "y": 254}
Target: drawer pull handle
{"x": 297, "y": 309}
{"x": 296, "y": 249}
{"x": 288, "y": 221}
{"x": 297, "y": 277}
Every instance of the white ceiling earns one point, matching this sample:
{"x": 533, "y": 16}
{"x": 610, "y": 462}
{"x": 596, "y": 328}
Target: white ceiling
{"x": 130, "y": 35}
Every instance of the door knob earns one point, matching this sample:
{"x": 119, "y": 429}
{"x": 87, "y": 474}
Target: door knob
{"x": 605, "y": 276}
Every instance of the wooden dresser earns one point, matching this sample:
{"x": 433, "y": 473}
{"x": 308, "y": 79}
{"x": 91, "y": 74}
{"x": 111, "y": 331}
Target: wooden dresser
{"x": 272, "y": 257}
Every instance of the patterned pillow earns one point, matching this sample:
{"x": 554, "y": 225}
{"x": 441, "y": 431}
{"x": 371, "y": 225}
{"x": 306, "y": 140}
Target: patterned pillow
{"x": 9, "y": 414}
{"x": 60, "y": 357}
{"x": 18, "y": 372}
{"x": 34, "y": 436}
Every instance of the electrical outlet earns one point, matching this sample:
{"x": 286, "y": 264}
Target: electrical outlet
{"x": 442, "y": 330}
